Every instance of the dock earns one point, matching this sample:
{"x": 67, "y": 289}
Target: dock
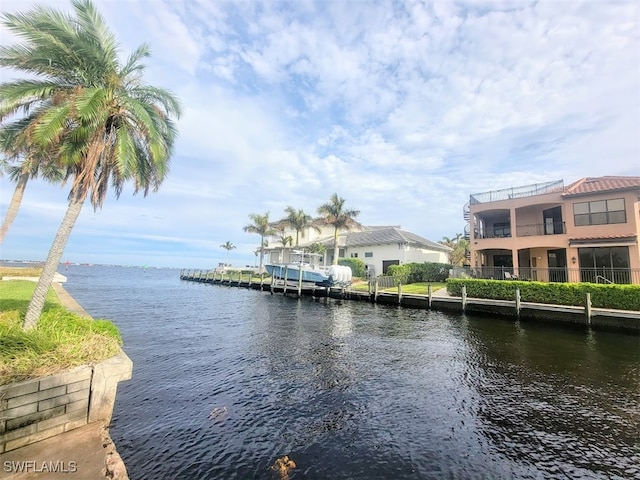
{"x": 587, "y": 316}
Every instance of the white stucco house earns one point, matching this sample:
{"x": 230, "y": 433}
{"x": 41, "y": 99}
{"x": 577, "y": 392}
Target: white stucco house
{"x": 377, "y": 247}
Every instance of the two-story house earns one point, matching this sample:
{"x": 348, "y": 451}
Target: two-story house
{"x": 587, "y": 231}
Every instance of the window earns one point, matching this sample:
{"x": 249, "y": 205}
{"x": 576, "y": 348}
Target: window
{"x": 600, "y": 212}
{"x": 368, "y": 254}
{"x": 599, "y": 263}
{"x": 354, "y": 255}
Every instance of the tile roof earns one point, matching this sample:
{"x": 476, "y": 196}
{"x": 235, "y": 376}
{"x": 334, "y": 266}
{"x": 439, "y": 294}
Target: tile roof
{"x": 589, "y": 185}
{"x": 628, "y": 236}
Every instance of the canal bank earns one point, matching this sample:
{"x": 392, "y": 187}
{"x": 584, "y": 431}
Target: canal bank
{"x": 59, "y": 425}
{"x": 587, "y": 316}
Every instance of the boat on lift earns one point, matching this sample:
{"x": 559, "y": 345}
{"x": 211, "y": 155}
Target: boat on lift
{"x": 304, "y": 266}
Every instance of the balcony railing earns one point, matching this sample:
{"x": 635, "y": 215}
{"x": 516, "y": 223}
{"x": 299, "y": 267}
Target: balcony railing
{"x": 534, "y": 229}
{"x": 555, "y": 274}
{"x": 491, "y": 233}
{"x": 517, "y": 192}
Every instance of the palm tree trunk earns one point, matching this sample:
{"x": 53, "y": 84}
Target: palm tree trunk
{"x": 34, "y": 310}
{"x": 16, "y": 200}
{"x": 260, "y": 269}
{"x": 336, "y": 248}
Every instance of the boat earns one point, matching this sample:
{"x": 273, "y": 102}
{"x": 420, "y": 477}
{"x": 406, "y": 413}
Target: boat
{"x": 305, "y": 267}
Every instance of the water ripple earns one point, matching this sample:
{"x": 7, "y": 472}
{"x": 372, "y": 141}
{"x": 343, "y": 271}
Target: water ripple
{"x": 228, "y": 381}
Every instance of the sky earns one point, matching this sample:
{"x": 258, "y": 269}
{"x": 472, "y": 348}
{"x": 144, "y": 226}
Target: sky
{"x": 402, "y": 108}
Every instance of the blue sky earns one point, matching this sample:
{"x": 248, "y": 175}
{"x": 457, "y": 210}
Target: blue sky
{"x": 402, "y": 108}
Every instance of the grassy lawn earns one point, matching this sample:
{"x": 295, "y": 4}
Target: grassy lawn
{"x": 60, "y": 341}
{"x": 421, "y": 288}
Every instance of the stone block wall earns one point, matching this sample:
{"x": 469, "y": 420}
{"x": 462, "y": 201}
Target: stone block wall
{"x": 40, "y": 408}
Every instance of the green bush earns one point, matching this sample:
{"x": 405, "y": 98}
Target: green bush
{"x": 420, "y": 272}
{"x": 357, "y": 266}
{"x": 617, "y": 297}
{"x": 400, "y": 273}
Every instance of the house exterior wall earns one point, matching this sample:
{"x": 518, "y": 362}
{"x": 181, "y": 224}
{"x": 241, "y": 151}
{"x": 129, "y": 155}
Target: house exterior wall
{"x": 400, "y": 253}
{"x": 529, "y": 240}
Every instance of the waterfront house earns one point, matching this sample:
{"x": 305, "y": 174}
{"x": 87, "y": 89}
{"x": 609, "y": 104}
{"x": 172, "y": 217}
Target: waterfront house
{"x": 377, "y": 246}
{"x": 585, "y": 232}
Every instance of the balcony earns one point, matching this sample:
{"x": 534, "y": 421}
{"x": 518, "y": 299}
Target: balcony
{"x": 535, "y": 229}
{"x": 531, "y": 230}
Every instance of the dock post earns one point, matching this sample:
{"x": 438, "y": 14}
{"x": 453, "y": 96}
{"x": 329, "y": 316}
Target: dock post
{"x": 399, "y": 293}
{"x": 300, "y": 282}
{"x": 430, "y": 293}
{"x": 587, "y": 308}
{"x": 518, "y": 302}
{"x": 464, "y": 297}
{"x": 286, "y": 275}
{"x": 375, "y": 292}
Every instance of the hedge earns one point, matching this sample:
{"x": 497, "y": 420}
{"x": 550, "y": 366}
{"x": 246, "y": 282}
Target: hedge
{"x": 419, "y": 272}
{"x": 617, "y": 297}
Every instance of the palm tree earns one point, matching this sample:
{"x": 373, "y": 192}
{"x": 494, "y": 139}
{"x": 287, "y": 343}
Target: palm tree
{"x": 83, "y": 106}
{"x": 315, "y": 247}
{"x": 459, "y": 245}
{"x": 32, "y": 166}
{"x": 228, "y": 246}
{"x": 260, "y": 225}
{"x": 297, "y": 220}
{"x": 333, "y": 213}
{"x": 284, "y": 239}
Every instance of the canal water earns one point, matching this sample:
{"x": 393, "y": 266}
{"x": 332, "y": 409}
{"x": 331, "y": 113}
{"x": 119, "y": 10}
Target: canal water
{"x": 226, "y": 381}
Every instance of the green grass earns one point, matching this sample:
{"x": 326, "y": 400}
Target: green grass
{"x": 421, "y": 288}
{"x": 60, "y": 341}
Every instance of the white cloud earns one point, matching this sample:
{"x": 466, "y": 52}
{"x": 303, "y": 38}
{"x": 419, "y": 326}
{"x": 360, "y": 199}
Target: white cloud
{"x": 403, "y": 109}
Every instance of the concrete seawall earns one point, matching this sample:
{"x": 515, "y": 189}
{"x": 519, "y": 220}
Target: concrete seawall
{"x": 57, "y": 425}
{"x": 596, "y": 318}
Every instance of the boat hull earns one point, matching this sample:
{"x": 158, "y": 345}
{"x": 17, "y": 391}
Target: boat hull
{"x": 292, "y": 273}
{"x": 334, "y": 276}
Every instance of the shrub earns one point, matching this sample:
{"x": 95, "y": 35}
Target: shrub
{"x": 420, "y": 272}
{"x": 619, "y": 297}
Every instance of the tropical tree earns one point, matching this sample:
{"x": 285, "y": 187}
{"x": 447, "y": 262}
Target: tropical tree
{"x": 228, "y": 246}
{"x": 459, "y": 245}
{"x": 284, "y": 239}
{"x": 297, "y": 220}
{"x": 334, "y": 213}
{"x": 33, "y": 165}
{"x": 260, "y": 225}
{"x": 80, "y": 104}
{"x": 316, "y": 247}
